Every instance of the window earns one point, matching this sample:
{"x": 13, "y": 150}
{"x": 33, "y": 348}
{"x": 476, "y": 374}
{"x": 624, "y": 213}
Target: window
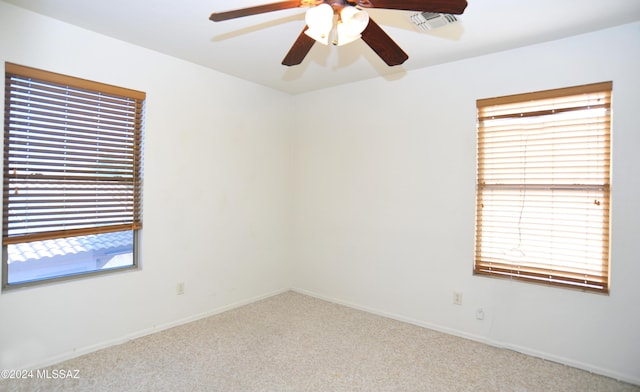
{"x": 72, "y": 177}
{"x": 543, "y": 187}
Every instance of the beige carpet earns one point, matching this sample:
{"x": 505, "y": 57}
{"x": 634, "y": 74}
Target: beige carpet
{"x": 293, "y": 342}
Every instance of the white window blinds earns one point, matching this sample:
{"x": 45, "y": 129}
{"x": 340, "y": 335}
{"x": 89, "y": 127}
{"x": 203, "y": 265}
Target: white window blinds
{"x": 72, "y": 162}
{"x": 543, "y": 187}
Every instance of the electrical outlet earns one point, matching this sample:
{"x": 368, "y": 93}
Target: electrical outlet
{"x": 479, "y": 314}
{"x": 457, "y": 298}
{"x": 180, "y": 288}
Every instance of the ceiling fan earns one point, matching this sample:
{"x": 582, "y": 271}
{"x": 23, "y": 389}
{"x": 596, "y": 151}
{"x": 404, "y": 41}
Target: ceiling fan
{"x": 344, "y": 21}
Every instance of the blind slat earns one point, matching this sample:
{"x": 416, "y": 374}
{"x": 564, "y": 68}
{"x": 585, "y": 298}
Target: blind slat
{"x": 71, "y": 233}
{"x": 52, "y": 133}
{"x": 21, "y": 88}
{"x": 54, "y": 144}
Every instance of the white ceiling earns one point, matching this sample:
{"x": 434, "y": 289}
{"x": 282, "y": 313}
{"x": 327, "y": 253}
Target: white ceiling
{"x": 253, "y": 47}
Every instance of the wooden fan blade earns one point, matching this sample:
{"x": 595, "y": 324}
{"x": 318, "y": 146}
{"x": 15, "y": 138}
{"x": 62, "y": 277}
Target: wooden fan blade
{"x": 383, "y": 45}
{"x": 299, "y": 49}
{"x": 259, "y": 9}
{"x": 437, "y": 6}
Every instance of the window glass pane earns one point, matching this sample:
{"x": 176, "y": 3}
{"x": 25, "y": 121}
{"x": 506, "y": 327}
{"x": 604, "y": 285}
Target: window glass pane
{"x": 61, "y": 257}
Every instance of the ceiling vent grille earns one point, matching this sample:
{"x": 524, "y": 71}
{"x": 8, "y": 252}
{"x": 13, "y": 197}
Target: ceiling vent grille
{"x": 425, "y": 21}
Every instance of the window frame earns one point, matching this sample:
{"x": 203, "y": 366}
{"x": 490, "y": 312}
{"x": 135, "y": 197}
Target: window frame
{"x": 93, "y": 117}
{"x": 488, "y": 261}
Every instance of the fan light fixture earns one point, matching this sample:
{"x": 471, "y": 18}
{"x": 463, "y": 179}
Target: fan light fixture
{"x": 344, "y": 21}
{"x": 348, "y": 28}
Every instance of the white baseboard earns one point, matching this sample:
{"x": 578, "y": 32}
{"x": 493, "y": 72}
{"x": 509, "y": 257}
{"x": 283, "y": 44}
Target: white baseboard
{"x": 481, "y": 339}
{"x": 147, "y": 331}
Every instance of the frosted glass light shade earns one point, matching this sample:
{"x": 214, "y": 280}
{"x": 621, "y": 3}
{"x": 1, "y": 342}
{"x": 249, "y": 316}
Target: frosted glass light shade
{"x": 353, "y": 22}
{"x": 320, "y": 22}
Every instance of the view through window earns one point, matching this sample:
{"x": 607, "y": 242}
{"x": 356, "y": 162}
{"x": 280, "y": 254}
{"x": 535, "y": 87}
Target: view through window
{"x": 72, "y": 176}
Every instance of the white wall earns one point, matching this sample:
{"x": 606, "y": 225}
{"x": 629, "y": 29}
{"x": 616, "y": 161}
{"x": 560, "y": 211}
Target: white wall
{"x": 384, "y": 203}
{"x": 217, "y": 196}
